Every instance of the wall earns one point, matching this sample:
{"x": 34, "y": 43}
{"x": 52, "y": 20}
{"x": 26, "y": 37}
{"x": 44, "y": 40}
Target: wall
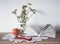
{"x": 49, "y": 13}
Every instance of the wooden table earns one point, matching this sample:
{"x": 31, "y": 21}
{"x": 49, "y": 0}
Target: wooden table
{"x": 49, "y": 41}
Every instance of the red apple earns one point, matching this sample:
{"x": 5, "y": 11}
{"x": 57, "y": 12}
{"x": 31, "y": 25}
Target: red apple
{"x": 15, "y": 31}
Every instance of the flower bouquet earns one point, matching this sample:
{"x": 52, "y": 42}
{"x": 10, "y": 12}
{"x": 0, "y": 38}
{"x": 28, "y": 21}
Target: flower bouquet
{"x": 26, "y": 13}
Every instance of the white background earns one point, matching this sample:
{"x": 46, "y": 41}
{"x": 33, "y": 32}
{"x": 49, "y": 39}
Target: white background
{"x": 49, "y": 13}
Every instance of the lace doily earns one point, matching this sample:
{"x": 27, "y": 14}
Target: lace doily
{"x": 10, "y": 37}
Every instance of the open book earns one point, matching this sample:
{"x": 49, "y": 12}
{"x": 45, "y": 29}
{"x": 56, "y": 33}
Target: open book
{"x": 47, "y": 30}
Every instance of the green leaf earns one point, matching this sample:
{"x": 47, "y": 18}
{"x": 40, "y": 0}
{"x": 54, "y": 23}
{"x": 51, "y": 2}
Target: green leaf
{"x": 30, "y": 9}
{"x": 29, "y": 3}
{"x": 34, "y": 12}
{"x": 14, "y": 12}
{"x": 24, "y": 6}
